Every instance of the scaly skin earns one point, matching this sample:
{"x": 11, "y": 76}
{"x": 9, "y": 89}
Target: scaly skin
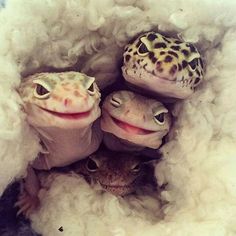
{"x": 64, "y": 109}
{"x": 133, "y": 122}
{"x": 164, "y": 65}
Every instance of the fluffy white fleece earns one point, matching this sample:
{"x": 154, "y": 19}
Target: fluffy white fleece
{"x": 200, "y": 157}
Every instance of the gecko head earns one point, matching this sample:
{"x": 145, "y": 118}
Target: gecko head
{"x": 140, "y": 120}
{"x": 117, "y": 172}
{"x": 68, "y": 99}
{"x": 164, "y": 65}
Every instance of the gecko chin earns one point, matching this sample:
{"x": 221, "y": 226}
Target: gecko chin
{"x": 130, "y": 128}
{"x": 161, "y": 85}
{"x": 118, "y": 190}
{"x": 68, "y": 115}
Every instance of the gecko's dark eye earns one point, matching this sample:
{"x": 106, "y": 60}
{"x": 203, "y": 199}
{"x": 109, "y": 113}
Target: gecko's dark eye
{"x": 143, "y": 50}
{"x": 91, "y": 89}
{"x": 160, "y": 118}
{"x": 41, "y": 91}
{"x": 136, "y": 167}
{"x": 91, "y": 165}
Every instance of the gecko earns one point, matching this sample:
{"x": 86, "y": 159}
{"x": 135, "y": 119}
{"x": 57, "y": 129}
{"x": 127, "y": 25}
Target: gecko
{"x": 164, "y": 65}
{"x": 132, "y": 122}
{"x": 63, "y": 108}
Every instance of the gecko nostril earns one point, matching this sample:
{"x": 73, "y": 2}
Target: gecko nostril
{"x": 158, "y": 64}
{"x": 67, "y": 101}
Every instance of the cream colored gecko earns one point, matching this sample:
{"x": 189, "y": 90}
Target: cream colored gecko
{"x": 164, "y": 65}
{"x": 64, "y": 109}
{"x": 132, "y": 122}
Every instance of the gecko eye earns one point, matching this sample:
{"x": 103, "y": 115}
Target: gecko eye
{"x": 160, "y": 118}
{"x": 116, "y": 102}
{"x": 143, "y": 50}
{"x": 193, "y": 64}
{"x": 91, "y": 165}
{"x": 41, "y": 91}
{"x": 136, "y": 168}
{"x": 91, "y": 89}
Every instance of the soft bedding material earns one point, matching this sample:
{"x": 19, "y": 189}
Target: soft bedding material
{"x": 199, "y": 162}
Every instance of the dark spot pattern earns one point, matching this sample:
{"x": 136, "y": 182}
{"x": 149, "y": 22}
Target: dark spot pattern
{"x": 138, "y": 44}
{"x": 198, "y": 73}
{"x": 130, "y": 50}
{"x": 180, "y": 67}
{"x": 192, "y": 48}
{"x": 127, "y": 58}
{"x": 178, "y": 42}
{"x": 151, "y": 55}
{"x": 201, "y": 62}
{"x": 173, "y": 54}
{"x": 173, "y": 69}
{"x": 176, "y": 48}
{"x": 168, "y": 58}
{"x": 190, "y": 73}
{"x": 193, "y": 64}
{"x": 185, "y": 52}
{"x": 184, "y": 64}
{"x": 160, "y": 45}
{"x": 151, "y": 37}
{"x": 197, "y": 80}
{"x": 162, "y": 52}
{"x": 168, "y": 41}
{"x": 154, "y": 59}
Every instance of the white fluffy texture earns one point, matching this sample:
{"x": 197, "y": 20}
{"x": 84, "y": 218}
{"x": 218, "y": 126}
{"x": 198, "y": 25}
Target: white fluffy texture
{"x": 200, "y": 158}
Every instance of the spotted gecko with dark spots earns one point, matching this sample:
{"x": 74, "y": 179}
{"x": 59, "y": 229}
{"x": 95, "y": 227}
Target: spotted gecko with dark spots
{"x": 164, "y": 65}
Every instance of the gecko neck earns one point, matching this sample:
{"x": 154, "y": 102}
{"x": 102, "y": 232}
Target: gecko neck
{"x": 65, "y": 146}
{"x": 117, "y": 144}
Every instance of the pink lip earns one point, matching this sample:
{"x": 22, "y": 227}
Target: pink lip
{"x": 130, "y": 128}
{"x": 71, "y": 116}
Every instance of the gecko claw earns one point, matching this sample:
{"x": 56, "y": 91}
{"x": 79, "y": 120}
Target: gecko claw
{"x": 27, "y": 204}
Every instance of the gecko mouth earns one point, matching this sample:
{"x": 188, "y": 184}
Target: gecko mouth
{"x": 150, "y": 74}
{"x": 67, "y": 115}
{"x": 131, "y": 128}
{"x": 118, "y": 190}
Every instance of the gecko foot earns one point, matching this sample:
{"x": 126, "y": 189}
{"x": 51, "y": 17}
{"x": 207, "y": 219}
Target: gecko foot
{"x": 27, "y": 204}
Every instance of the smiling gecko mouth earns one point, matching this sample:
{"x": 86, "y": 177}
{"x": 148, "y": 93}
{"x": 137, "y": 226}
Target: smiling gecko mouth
{"x": 130, "y": 128}
{"x": 150, "y": 74}
{"x": 71, "y": 116}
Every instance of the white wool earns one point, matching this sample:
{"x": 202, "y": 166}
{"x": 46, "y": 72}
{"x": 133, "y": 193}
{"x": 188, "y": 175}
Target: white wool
{"x": 199, "y": 158}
